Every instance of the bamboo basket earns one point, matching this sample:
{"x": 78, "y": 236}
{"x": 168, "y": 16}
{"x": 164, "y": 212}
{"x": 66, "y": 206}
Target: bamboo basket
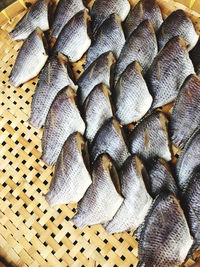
{"x": 32, "y": 233}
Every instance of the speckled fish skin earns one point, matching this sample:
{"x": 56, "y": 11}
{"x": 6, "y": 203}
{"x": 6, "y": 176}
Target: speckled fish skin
{"x": 149, "y": 139}
{"x": 109, "y": 37}
{"x": 55, "y": 75}
{"x": 168, "y": 71}
{"x": 177, "y": 23}
{"x": 30, "y": 59}
{"x": 36, "y": 16}
{"x": 136, "y": 202}
{"x": 97, "y": 109}
{"x": 100, "y": 71}
{"x": 102, "y": 9}
{"x": 109, "y": 139}
{"x": 105, "y": 182}
{"x": 65, "y": 10}
{"x": 141, "y": 46}
{"x": 185, "y": 115}
{"x": 132, "y": 98}
{"x": 195, "y": 57}
{"x": 144, "y": 9}
{"x": 71, "y": 178}
{"x": 188, "y": 160}
{"x": 63, "y": 119}
{"x": 161, "y": 178}
{"x": 165, "y": 240}
{"x": 74, "y": 33}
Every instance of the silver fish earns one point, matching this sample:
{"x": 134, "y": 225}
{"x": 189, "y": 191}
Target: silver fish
{"x": 149, "y": 139}
{"x": 141, "y": 46}
{"x": 36, "y": 16}
{"x": 165, "y": 239}
{"x": 105, "y": 186}
{"x": 109, "y": 139}
{"x": 168, "y": 72}
{"x": 55, "y": 75}
{"x": 177, "y": 23}
{"x": 65, "y": 10}
{"x": 195, "y": 57}
{"x": 71, "y": 178}
{"x": 144, "y": 9}
{"x": 185, "y": 115}
{"x": 74, "y": 33}
{"x": 63, "y": 119}
{"x": 109, "y": 37}
{"x": 100, "y": 71}
{"x": 30, "y": 59}
{"x": 132, "y": 98}
{"x": 97, "y": 109}
{"x": 136, "y": 202}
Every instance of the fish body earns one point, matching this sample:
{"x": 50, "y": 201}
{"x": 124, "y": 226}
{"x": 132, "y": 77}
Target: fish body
{"x": 141, "y": 46}
{"x": 132, "y": 98}
{"x": 102, "y": 199}
{"x": 55, "y": 75}
{"x": 36, "y": 16}
{"x": 195, "y": 57}
{"x": 62, "y": 120}
{"x": 168, "y": 71}
{"x": 30, "y": 59}
{"x": 74, "y": 33}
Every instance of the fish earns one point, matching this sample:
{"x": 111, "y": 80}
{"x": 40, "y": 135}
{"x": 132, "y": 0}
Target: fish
{"x": 102, "y": 9}
{"x": 74, "y": 33}
{"x": 161, "y": 178}
{"x": 110, "y": 139}
{"x": 100, "y": 71}
{"x": 141, "y": 46}
{"x": 109, "y": 37}
{"x": 71, "y": 178}
{"x": 30, "y": 59}
{"x": 92, "y": 208}
{"x": 165, "y": 239}
{"x": 97, "y": 110}
{"x": 144, "y": 9}
{"x": 150, "y": 139}
{"x": 66, "y": 9}
{"x": 137, "y": 200}
{"x": 185, "y": 115}
{"x": 168, "y": 71}
{"x": 177, "y": 24}
{"x": 188, "y": 160}
{"x": 55, "y": 75}
{"x": 131, "y": 95}
{"x": 36, "y": 16}
{"x": 195, "y": 57}
{"x": 62, "y": 120}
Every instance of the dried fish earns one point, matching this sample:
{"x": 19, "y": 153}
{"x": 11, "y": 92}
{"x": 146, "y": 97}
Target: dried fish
{"x": 195, "y": 57}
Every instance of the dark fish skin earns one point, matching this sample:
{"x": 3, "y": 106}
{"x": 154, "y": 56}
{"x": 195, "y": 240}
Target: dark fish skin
{"x": 55, "y": 75}
{"x": 65, "y": 10}
{"x": 103, "y": 198}
{"x": 109, "y": 37}
{"x": 100, "y": 71}
{"x": 141, "y": 46}
{"x": 185, "y": 115}
{"x": 63, "y": 119}
{"x": 144, "y": 9}
{"x": 74, "y": 33}
{"x": 195, "y": 57}
{"x": 102, "y": 9}
{"x": 177, "y": 24}
{"x": 168, "y": 71}
{"x": 30, "y": 59}
{"x": 36, "y": 16}
{"x": 109, "y": 139}
{"x": 131, "y": 95}
{"x": 149, "y": 139}
{"x": 165, "y": 239}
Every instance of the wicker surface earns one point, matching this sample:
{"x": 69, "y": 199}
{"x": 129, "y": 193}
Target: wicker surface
{"x": 32, "y": 233}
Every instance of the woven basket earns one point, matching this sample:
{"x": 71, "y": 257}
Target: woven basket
{"x": 32, "y": 233}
